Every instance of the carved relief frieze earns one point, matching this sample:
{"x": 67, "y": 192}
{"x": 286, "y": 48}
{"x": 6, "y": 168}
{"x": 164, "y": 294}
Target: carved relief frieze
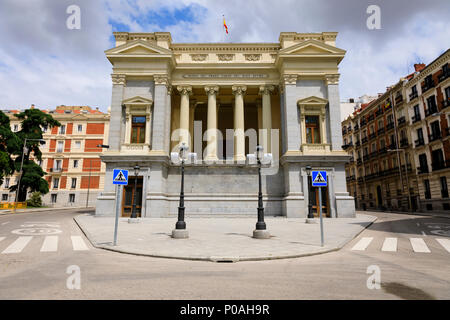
{"x": 252, "y": 57}
{"x": 225, "y": 57}
{"x": 199, "y": 57}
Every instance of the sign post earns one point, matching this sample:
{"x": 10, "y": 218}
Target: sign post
{"x": 319, "y": 179}
{"x": 120, "y": 178}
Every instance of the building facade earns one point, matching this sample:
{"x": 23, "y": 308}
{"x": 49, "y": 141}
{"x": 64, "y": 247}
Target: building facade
{"x": 222, "y": 99}
{"x": 398, "y": 147}
{"x": 70, "y": 156}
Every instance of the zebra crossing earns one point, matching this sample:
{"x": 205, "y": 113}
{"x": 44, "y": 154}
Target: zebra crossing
{"x": 49, "y": 244}
{"x": 417, "y": 245}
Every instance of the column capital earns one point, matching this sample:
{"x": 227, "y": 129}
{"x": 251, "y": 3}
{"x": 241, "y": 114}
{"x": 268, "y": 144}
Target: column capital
{"x": 289, "y": 79}
{"x": 161, "y": 79}
{"x": 239, "y": 89}
{"x": 169, "y": 89}
{"x": 211, "y": 90}
{"x": 185, "y": 90}
{"x": 332, "y": 78}
{"x": 118, "y": 79}
{"x": 267, "y": 89}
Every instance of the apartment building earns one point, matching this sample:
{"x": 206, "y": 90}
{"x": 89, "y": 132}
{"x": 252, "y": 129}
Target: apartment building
{"x": 70, "y": 156}
{"x": 399, "y": 146}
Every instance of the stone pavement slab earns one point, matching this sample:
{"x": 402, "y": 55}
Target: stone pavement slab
{"x": 222, "y": 239}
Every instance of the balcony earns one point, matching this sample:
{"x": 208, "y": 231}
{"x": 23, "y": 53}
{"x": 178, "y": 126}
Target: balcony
{"x": 344, "y": 132}
{"x": 356, "y": 128}
{"x": 350, "y": 178}
{"x": 372, "y": 135}
{"x": 419, "y": 142}
{"x": 380, "y": 130}
{"x": 358, "y": 161}
{"x": 440, "y": 165}
{"x": 382, "y": 150}
{"x": 427, "y": 86}
{"x": 56, "y": 170}
{"x": 416, "y": 118}
{"x": 444, "y": 75}
{"x": 445, "y": 103}
{"x": 362, "y": 123}
{"x": 357, "y": 143}
{"x": 364, "y": 140}
{"x": 373, "y": 154}
{"x": 348, "y": 145}
{"x": 401, "y": 121}
{"x": 371, "y": 118}
{"x": 398, "y": 99}
{"x": 413, "y": 95}
{"x": 379, "y": 112}
{"x": 349, "y": 129}
{"x": 422, "y": 169}
{"x": 404, "y": 143}
{"x": 351, "y": 160}
{"x": 366, "y": 157}
{"x": 430, "y": 111}
{"x": 434, "y": 136}
{"x": 392, "y": 146}
{"x": 360, "y": 180}
{"x": 390, "y": 126}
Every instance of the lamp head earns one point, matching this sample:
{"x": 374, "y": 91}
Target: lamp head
{"x": 259, "y": 152}
{"x": 136, "y": 170}
{"x": 184, "y": 151}
{"x": 308, "y": 170}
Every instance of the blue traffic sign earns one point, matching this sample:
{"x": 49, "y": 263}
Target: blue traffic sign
{"x": 120, "y": 176}
{"x": 319, "y": 178}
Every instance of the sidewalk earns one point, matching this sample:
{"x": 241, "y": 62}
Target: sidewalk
{"x": 3, "y": 212}
{"x": 428, "y": 214}
{"x": 222, "y": 239}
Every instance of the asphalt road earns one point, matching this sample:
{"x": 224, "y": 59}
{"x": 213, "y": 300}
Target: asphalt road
{"x": 38, "y": 249}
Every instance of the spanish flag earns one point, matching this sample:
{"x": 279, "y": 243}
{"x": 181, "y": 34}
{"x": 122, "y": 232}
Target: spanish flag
{"x": 225, "y": 25}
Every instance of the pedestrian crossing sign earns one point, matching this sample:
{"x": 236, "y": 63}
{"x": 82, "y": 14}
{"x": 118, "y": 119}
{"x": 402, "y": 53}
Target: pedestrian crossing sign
{"x": 120, "y": 176}
{"x": 319, "y": 178}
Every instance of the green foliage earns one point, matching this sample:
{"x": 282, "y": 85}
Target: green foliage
{"x": 35, "y": 200}
{"x": 9, "y": 142}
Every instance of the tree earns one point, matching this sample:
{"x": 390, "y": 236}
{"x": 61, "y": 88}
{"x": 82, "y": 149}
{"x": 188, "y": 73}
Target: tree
{"x": 8, "y": 143}
{"x": 33, "y": 121}
{"x": 35, "y": 200}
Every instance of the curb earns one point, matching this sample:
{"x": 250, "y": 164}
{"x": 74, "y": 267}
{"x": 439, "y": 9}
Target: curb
{"x": 43, "y": 209}
{"x": 217, "y": 259}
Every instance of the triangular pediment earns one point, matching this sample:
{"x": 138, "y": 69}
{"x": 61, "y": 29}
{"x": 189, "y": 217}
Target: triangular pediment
{"x": 79, "y": 117}
{"x": 137, "y": 100}
{"x": 138, "y": 47}
{"x": 311, "y": 47}
{"x": 313, "y": 100}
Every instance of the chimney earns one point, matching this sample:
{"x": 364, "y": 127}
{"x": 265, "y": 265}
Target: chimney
{"x": 419, "y": 66}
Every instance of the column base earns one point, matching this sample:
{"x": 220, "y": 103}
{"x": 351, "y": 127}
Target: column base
{"x": 261, "y": 234}
{"x": 311, "y": 220}
{"x": 180, "y": 234}
{"x": 134, "y": 220}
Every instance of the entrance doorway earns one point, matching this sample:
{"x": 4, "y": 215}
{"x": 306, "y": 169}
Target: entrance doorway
{"x": 129, "y": 196}
{"x": 325, "y": 202}
{"x": 379, "y": 197}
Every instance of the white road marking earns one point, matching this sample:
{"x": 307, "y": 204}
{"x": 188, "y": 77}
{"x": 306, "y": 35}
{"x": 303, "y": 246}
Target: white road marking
{"x": 5, "y": 223}
{"x": 445, "y": 243}
{"x": 389, "y": 244}
{"x": 362, "y": 244}
{"x": 50, "y": 244}
{"x": 419, "y": 245}
{"x": 18, "y": 245}
{"x": 78, "y": 243}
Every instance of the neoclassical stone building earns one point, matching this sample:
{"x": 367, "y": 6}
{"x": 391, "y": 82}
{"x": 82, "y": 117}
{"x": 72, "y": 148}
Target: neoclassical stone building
{"x": 222, "y": 99}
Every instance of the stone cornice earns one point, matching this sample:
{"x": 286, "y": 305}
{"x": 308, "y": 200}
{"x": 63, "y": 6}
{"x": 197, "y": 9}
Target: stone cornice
{"x": 225, "y": 47}
{"x": 119, "y": 79}
{"x": 430, "y": 68}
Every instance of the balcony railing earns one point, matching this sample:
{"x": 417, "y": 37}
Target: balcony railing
{"x": 416, "y": 118}
{"x": 55, "y": 169}
{"x": 422, "y": 169}
{"x": 362, "y": 123}
{"x": 382, "y": 150}
{"x": 372, "y": 135}
{"x": 444, "y": 76}
{"x": 427, "y": 86}
{"x": 431, "y": 111}
{"x": 371, "y": 117}
{"x": 413, "y": 95}
{"x": 398, "y": 99}
{"x": 440, "y": 165}
{"x": 390, "y": 126}
{"x": 359, "y": 161}
{"x": 404, "y": 143}
{"x": 351, "y": 160}
{"x": 364, "y": 140}
{"x": 366, "y": 157}
{"x": 380, "y": 130}
{"x": 344, "y": 132}
{"x": 349, "y": 129}
{"x": 348, "y": 145}
{"x": 360, "y": 180}
{"x": 356, "y": 128}
{"x": 419, "y": 142}
{"x": 434, "y": 136}
{"x": 445, "y": 103}
{"x": 373, "y": 154}
{"x": 393, "y": 146}
{"x": 357, "y": 143}
{"x": 401, "y": 120}
{"x": 378, "y": 112}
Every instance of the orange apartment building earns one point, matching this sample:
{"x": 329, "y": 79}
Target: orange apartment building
{"x": 70, "y": 156}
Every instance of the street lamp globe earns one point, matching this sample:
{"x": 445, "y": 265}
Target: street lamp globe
{"x": 183, "y": 151}
{"x": 308, "y": 170}
{"x": 136, "y": 170}
{"x": 259, "y": 152}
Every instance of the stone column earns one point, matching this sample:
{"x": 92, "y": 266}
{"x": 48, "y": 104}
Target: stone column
{"x": 167, "y": 131}
{"x": 332, "y": 81}
{"x": 128, "y": 124}
{"x": 290, "y": 114}
{"x": 239, "y": 128}
{"x": 159, "y": 113}
{"x": 115, "y": 126}
{"x": 211, "y": 132}
{"x": 266, "y": 117}
{"x": 185, "y": 92}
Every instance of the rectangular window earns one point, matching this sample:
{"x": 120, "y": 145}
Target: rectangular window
{"x": 5, "y": 197}
{"x": 312, "y": 129}
{"x": 414, "y": 89}
{"x": 57, "y": 166}
{"x": 447, "y": 93}
{"x": 75, "y": 163}
{"x": 60, "y": 146}
{"x": 420, "y": 134}
{"x": 426, "y": 185}
{"x": 80, "y": 128}
{"x": 71, "y": 198}
{"x": 16, "y": 128}
{"x": 423, "y": 162}
{"x": 55, "y": 183}
{"x": 7, "y": 183}
{"x": 62, "y": 129}
{"x": 431, "y": 102}
{"x": 435, "y": 130}
{"x": 53, "y": 197}
{"x": 74, "y": 183}
{"x": 138, "y": 129}
{"x": 444, "y": 188}
{"x": 77, "y": 144}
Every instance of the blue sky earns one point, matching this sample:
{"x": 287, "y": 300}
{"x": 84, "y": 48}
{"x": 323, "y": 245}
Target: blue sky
{"x": 44, "y": 63}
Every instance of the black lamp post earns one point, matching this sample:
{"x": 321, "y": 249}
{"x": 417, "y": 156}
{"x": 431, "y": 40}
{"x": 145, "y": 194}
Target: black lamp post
{"x": 260, "y": 225}
{"x": 133, "y": 211}
{"x": 310, "y": 213}
{"x": 181, "y": 224}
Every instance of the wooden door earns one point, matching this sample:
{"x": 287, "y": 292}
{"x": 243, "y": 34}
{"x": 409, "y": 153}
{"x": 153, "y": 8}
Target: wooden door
{"x": 128, "y": 197}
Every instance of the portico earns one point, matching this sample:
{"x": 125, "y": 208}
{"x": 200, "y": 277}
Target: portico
{"x": 223, "y": 99}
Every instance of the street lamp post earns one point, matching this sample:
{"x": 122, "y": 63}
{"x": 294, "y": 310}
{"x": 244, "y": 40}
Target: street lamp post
{"x": 310, "y": 218}
{"x": 261, "y": 231}
{"x": 133, "y": 217}
{"x": 180, "y": 231}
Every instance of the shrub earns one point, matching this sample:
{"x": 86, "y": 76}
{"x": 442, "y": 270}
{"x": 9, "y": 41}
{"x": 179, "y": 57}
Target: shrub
{"x": 35, "y": 200}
